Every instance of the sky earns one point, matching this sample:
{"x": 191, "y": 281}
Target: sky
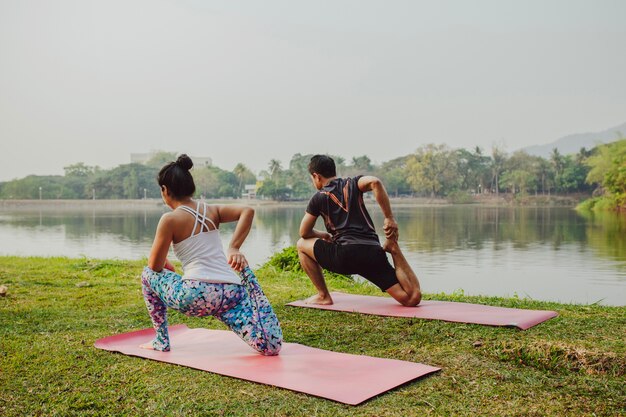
{"x": 249, "y": 81}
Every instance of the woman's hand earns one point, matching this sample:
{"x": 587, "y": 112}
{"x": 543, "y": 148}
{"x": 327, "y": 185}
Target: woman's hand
{"x": 168, "y": 265}
{"x": 236, "y": 259}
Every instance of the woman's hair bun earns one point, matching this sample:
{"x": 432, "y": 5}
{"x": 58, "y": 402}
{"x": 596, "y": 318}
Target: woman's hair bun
{"x": 184, "y": 162}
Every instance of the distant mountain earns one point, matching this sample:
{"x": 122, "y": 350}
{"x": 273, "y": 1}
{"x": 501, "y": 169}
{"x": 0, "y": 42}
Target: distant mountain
{"x": 572, "y": 143}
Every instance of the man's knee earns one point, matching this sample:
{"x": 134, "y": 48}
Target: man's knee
{"x": 415, "y": 298}
{"x": 306, "y": 247}
{"x": 410, "y": 299}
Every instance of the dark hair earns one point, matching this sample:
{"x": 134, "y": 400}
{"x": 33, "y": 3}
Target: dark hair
{"x": 177, "y": 178}
{"x": 323, "y": 165}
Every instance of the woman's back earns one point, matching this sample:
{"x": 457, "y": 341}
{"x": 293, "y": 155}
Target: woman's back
{"x": 197, "y": 244}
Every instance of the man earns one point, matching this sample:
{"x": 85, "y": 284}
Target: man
{"x": 351, "y": 245}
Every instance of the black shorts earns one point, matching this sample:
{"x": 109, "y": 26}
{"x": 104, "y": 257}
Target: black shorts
{"x": 369, "y": 261}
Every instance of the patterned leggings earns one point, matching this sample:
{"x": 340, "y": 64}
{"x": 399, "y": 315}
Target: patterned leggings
{"x": 243, "y": 308}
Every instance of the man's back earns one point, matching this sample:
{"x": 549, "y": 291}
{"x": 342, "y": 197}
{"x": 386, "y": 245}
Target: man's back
{"x": 340, "y": 203}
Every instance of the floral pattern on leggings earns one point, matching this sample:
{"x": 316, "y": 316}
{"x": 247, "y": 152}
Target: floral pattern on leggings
{"x": 243, "y": 308}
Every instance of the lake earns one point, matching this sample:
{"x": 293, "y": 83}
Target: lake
{"x": 550, "y": 253}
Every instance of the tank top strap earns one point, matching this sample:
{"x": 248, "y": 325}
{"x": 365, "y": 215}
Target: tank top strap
{"x": 199, "y": 219}
{"x": 205, "y": 217}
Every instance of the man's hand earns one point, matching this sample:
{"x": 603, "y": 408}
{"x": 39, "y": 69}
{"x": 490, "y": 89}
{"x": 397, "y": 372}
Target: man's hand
{"x": 236, "y": 259}
{"x": 325, "y": 236}
{"x": 391, "y": 228}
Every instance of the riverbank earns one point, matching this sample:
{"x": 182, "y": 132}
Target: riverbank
{"x": 55, "y": 308}
{"x": 151, "y": 203}
{"x": 115, "y": 205}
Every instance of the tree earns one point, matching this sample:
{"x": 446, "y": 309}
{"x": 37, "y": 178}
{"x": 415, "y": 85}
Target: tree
{"x": 214, "y": 182}
{"x": 244, "y": 176}
{"x": 274, "y": 190}
{"x": 275, "y": 168}
{"x": 473, "y": 169}
{"x": 36, "y": 186}
{"x": 297, "y": 178}
{"x": 394, "y": 175}
{"x": 78, "y": 170}
{"x": 362, "y": 163}
{"x": 124, "y": 181}
{"x": 520, "y": 173}
{"x": 498, "y": 158}
{"x": 573, "y": 174}
{"x": 558, "y": 163}
{"x": 131, "y": 185}
{"x": 432, "y": 170}
{"x": 608, "y": 169}
{"x": 544, "y": 175}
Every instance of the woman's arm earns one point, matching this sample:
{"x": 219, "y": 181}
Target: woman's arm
{"x": 161, "y": 245}
{"x": 243, "y": 215}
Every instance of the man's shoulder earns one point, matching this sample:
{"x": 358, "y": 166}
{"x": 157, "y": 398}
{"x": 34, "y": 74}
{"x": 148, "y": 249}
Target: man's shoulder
{"x": 316, "y": 197}
{"x": 340, "y": 182}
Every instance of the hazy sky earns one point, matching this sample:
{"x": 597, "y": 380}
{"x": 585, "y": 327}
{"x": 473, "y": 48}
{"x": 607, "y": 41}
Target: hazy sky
{"x": 247, "y": 81}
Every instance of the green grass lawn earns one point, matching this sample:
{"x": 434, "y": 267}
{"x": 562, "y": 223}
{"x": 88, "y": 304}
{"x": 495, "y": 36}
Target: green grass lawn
{"x": 571, "y": 365}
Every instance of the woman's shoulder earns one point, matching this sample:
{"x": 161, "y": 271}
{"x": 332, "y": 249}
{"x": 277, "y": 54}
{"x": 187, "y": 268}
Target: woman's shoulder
{"x": 174, "y": 216}
{"x": 168, "y": 217}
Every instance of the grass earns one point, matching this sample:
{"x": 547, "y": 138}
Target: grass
{"x": 571, "y": 365}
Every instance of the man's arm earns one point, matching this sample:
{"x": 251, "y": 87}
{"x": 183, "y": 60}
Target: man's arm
{"x": 307, "y": 231}
{"x": 374, "y": 184}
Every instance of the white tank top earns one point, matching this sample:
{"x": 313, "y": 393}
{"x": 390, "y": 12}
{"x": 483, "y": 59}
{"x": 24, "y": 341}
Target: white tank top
{"x": 202, "y": 254}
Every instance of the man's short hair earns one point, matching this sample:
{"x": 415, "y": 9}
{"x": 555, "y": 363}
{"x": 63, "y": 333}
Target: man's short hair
{"x": 323, "y": 165}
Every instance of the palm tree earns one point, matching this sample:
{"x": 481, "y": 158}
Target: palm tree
{"x": 275, "y": 168}
{"x": 498, "y": 157}
{"x": 240, "y": 170}
{"x": 558, "y": 163}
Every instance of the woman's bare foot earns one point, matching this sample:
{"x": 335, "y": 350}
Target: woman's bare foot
{"x": 319, "y": 300}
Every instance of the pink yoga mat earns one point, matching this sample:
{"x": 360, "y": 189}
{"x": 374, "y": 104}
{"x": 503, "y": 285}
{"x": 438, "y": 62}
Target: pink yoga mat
{"x": 349, "y": 379}
{"x": 435, "y": 310}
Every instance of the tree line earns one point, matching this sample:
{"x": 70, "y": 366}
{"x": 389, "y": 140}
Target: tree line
{"x": 434, "y": 171}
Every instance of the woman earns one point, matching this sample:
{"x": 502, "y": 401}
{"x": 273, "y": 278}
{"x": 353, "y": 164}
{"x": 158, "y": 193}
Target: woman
{"x": 209, "y": 286}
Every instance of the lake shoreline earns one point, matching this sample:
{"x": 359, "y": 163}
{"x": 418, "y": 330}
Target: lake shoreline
{"x": 356, "y": 279}
{"x": 551, "y": 253}
{"x": 156, "y": 204}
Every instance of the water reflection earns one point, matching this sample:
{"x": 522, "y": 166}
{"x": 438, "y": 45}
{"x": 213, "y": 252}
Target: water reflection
{"x": 606, "y": 232}
{"x": 134, "y": 226}
{"x": 544, "y": 253}
{"x": 441, "y": 228}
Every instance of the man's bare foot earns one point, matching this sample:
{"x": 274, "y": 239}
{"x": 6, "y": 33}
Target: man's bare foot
{"x": 147, "y": 346}
{"x": 390, "y": 246}
{"x": 319, "y": 300}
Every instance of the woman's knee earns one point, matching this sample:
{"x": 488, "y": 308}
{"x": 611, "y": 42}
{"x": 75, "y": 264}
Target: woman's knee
{"x": 146, "y": 274}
